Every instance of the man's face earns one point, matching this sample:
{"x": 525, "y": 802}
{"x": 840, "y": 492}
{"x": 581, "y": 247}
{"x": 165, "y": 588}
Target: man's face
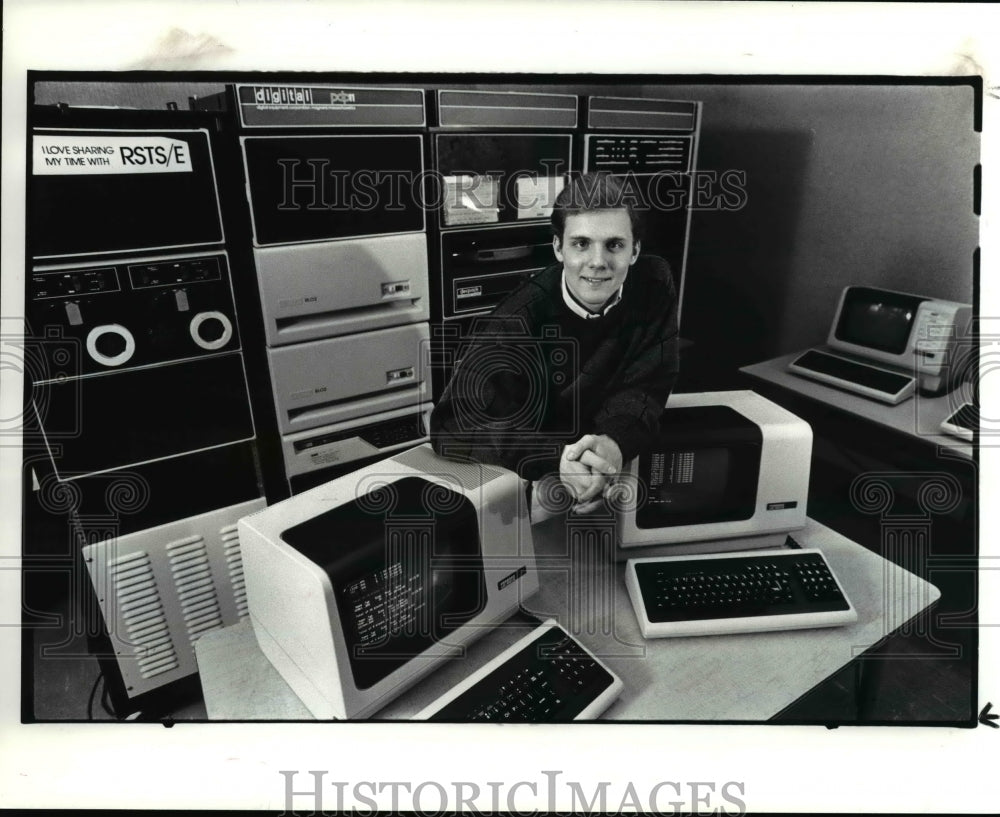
{"x": 596, "y": 251}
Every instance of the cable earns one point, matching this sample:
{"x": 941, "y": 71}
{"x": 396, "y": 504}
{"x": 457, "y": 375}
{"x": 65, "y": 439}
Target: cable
{"x": 105, "y": 702}
{"x": 93, "y": 692}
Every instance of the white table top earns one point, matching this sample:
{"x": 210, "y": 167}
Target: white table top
{"x": 741, "y": 677}
{"x": 918, "y": 416}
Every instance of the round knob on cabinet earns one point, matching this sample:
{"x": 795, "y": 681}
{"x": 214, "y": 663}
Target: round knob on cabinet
{"x": 110, "y": 344}
{"x": 211, "y": 330}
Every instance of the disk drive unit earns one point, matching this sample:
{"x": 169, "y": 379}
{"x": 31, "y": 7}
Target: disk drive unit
{"x": 341, "y": 378}
{"x": 315, "y": 456}
{"x": 131, "y": 317}
{"x": 311, "y": 291}
{"x": 138, "y": 360}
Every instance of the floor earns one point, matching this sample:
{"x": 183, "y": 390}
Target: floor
{"x": 908, "y": 688}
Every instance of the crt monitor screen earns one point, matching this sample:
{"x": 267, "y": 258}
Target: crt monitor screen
{"x": 702, "y": 469}
{"x": 877, "y": 319}
{"x": 405, "y": 562}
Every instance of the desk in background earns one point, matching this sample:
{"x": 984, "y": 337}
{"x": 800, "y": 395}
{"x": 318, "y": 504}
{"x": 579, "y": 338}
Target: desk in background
{"x": 735, "y": 678}
{"x": 877, "y": 466}
{"x": 918, "y": 418}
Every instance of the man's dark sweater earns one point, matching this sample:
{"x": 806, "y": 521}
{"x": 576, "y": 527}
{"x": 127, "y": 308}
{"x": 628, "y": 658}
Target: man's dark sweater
{"x": 535, "y": 377}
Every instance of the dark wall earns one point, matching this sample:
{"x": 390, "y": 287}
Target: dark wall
{"x": 845, "y": 185}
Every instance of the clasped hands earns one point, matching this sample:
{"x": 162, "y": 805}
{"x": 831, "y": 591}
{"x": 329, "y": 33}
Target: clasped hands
{"x": 588, "y": 468}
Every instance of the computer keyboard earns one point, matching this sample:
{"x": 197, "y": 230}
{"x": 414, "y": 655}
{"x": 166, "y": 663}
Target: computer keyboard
{"x": 752, "y": 591}
{"x": 544, "y": 677}
{"x": 861, "y": 378}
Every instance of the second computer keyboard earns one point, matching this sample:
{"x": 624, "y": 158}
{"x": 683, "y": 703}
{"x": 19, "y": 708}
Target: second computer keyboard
{"x": 546, "y": 676}
{"x": 861, "y": 378}
{"x": 742, "y": 592}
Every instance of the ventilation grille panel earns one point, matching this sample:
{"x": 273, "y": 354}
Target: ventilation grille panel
{"x": 192, "y": 575}
{"x": 234, "y": 567}
{"x": 161, "y": 589}
{"x": 141, "y": 610}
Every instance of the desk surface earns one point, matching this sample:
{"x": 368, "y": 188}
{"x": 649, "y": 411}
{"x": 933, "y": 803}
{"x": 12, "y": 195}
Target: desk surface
{"x": 735, "y": 678}
{"x": 920, "y": 417}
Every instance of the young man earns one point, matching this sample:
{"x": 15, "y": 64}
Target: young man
{"x": 569, "y": 374}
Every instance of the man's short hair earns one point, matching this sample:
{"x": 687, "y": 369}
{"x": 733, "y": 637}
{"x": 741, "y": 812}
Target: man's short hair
{"x": 589, "y": 192}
